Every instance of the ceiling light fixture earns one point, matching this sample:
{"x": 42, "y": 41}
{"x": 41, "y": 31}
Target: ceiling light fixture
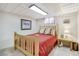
{"x": 37, "y": 9}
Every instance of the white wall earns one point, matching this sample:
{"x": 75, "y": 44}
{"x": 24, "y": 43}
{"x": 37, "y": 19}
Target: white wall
{"x": 73, "y": 23}
{"x": 78, "y": 26}
{"x": 9, "y": 24}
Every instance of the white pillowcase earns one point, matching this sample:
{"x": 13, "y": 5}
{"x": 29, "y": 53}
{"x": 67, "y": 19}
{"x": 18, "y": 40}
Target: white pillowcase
{"x": 53, "y": 32}
{"x": 47, "y": 31}
{"x": 42, "y": 30}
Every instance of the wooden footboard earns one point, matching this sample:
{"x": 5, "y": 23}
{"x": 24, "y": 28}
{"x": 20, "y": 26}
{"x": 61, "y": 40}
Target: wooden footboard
{"x": 27, "y": 44}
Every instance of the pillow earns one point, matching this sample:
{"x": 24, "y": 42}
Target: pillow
{"x": 42, "y": 30}
{"x": 52, "y": 32}
{"x": 48, "y": 30}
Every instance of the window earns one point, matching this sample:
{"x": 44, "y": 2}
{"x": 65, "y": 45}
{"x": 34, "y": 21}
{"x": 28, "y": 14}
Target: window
{"x": 49, "y": 20}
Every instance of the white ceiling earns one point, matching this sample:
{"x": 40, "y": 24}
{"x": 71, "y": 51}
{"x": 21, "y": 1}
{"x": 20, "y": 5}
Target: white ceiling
{"x": 51, "y": 8}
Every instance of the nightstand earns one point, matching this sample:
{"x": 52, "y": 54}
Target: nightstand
{"x": 68, "y": 42}
{"x": 65, "y": 42}
{"x": 74, "y": 46}
{"x": 59, "y": 40}
{"x": 78, "y": 46}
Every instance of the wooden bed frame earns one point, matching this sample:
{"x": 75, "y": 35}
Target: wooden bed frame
{"x": 29, "y": 45}
{"x": 26, "y": 44}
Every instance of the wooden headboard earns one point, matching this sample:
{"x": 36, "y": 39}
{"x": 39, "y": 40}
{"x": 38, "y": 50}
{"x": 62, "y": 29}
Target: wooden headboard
{"x": 54, "y": 27}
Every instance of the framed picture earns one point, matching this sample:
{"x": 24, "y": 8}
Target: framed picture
{"x": 66, "y": 21}
{"x": 25, "y": 24}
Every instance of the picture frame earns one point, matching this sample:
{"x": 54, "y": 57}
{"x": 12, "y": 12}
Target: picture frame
{"x": 25, "y": 24}
{"x": 66, "y": 21}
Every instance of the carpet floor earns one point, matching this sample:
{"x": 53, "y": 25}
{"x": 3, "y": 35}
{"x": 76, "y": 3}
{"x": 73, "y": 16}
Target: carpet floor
{"x": 57, "y": 51}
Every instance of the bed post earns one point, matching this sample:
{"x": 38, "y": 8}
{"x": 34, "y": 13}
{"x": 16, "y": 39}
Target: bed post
{"x": 15, "y": 40}
{"x": 36, "y": 47}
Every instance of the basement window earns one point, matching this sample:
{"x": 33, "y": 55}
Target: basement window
{"x": 49, "y": 20}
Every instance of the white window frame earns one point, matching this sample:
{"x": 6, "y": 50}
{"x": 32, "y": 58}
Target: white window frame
{"x": 49, "y": 20}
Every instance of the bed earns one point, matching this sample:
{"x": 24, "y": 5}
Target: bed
{"x": 37, "y": 44}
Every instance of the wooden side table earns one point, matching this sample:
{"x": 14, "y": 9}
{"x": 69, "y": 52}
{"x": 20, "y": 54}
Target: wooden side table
{"x": 59, "y": 42}
{"x": 74, "y": 46}
{"x": 64, "y": 42}
{"x": 78, "y": 46}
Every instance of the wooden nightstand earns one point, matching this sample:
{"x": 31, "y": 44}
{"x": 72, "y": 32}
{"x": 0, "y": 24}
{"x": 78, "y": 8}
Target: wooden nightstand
{"x": 68, "y": 42}
{"x": 78, "y": 46}
{"x": 74, "y": 46}
{"x": 59, "y": 40}
{"x": 65, "y": 42}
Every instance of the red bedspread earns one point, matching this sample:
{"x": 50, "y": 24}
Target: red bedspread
{"x": 47, "y": 43}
